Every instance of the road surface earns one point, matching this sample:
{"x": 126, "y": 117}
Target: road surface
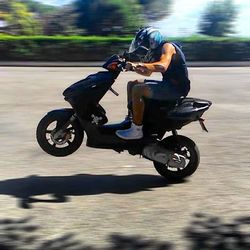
{"x": 118, "y": 201}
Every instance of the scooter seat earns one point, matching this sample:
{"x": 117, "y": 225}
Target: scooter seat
{"x": 189, "y": 108}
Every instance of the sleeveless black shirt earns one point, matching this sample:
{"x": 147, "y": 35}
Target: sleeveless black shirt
{"x": 177, "y": 72}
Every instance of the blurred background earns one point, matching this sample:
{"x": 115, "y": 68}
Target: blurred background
{"x": 35, "y": 30}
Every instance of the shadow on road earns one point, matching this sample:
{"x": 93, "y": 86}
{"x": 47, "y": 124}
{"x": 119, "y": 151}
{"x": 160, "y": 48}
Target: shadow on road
{"x": 211, "y": 233}
{"x": 205, "y": 232}
{"x": 60, "y": 187}
{"x": 22, "y": 234}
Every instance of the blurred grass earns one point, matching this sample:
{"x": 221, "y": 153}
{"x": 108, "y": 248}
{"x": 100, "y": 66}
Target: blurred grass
{"x": 194, "y": 38}
{"x": 97, "y": 48}
{"x": 68, "y": 38}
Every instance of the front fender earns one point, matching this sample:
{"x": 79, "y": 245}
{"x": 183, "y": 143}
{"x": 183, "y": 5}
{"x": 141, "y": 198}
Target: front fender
{"x": 64, "y": 114}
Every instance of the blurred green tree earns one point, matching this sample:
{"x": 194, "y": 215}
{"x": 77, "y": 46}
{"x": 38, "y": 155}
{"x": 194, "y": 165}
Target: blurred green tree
{"x": 118, "y": 16}
{"x": 4, "y": 9}
{"x": 110, "y": 16}
{"x": 218, "y": 18}
{"x": 40, "y": 8}
{"x": 60, "y": 22}
{"x": 156, "y": 9}
{"x": 4, "y": 5}
{"x": 54, "y": 20}
{"x": 92, "y": 17}
{"x": 18, "y": 18}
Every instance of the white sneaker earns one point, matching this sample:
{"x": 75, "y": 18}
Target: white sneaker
{"x": 133, "y": 133}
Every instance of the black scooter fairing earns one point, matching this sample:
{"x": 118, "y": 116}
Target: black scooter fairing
{"x": 85, "y": 94}
{"x": 92, "y": 87}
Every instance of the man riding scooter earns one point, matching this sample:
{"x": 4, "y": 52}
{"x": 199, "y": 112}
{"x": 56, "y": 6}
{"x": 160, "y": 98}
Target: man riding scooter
{"x": 164, "y": 57}
{"x": 61, "y": 131}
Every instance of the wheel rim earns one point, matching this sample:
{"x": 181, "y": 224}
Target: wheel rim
{"x": 184, "y": 152}
{"x": 63, "y": 140}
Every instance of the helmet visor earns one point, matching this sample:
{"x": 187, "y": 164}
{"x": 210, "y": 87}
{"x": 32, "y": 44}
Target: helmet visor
{"x": 133, "y": 46}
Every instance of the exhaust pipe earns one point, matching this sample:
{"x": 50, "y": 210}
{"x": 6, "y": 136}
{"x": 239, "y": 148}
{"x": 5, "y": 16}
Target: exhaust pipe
{"x": 155, "y": 152}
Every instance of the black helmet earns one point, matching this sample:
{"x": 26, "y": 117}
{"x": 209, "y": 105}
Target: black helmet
{"x": 148, "y": 37}
{"x": 146, "y": 40}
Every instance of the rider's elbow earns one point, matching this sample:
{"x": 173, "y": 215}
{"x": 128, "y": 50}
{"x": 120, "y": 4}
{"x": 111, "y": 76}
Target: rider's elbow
{"x": 162, "y": 68}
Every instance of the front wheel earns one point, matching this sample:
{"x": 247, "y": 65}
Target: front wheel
{"x": 56, "y": 141}
{"x": 184, "y": 147}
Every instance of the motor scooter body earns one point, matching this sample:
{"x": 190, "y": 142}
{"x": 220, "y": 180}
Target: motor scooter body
{"x": 174, "y": 156}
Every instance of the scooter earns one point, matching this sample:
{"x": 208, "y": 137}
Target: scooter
{"x": 61, "y": 132}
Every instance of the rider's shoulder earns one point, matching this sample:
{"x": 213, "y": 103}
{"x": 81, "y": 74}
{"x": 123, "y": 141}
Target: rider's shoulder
{"x": 168, "y": 47}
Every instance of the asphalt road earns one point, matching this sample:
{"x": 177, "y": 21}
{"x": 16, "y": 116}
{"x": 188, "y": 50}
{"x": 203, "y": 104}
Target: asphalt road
{"x": 117, "y": 201}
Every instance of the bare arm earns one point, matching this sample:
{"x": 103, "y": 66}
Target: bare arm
{"x": 147, "y": 69}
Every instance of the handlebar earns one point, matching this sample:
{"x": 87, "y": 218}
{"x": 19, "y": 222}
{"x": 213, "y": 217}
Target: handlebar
{"x": 122, "y": 65}
{"x": 116, "y": 64}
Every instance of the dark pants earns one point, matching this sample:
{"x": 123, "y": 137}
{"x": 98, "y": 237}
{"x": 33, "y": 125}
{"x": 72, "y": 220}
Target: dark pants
{"x": 166, "y": 91}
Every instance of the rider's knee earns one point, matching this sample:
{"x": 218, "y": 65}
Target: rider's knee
{"x": 135, "y": 82}
{"x": 141, "y": 90}
{"x": 132, "y": 83}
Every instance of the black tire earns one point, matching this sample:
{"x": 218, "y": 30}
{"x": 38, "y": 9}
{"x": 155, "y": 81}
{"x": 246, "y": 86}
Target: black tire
{"x": 68, "y": 143}
{"x": 184, "y": 146}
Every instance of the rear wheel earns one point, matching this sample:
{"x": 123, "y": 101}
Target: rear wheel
{"x": 186, "y": 148}
{"x": 55, "y": 141}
